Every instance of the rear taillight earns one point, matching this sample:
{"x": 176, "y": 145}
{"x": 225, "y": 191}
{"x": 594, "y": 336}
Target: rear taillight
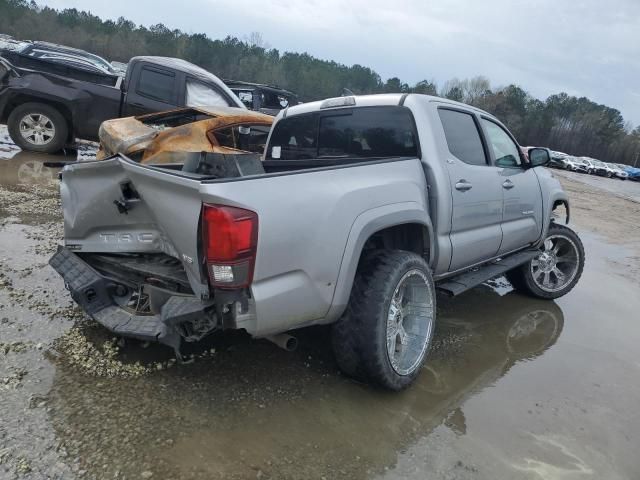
{"x": 230, "y": 236}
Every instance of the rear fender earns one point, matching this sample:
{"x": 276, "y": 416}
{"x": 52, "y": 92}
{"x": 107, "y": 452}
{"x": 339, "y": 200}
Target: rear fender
{"x": 365, "y": 225}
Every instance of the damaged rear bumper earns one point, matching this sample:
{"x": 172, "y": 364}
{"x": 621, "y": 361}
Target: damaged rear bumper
{"x": 96, "y": 294}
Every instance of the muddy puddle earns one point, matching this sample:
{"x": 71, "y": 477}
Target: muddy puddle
{"x": 514, "y": 388}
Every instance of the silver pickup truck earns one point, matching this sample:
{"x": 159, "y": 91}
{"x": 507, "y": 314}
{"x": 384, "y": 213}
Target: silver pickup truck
{"x": 359, "y": 209}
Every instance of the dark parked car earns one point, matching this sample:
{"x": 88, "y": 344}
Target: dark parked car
{"x": 559, "y": 160}
{"x": 268, "y": 99}
{"x": 602, "y": 169}
{"x": 558, "y": 163}
{"x": 582, "y": 165}
{"x": 47, "y": 104}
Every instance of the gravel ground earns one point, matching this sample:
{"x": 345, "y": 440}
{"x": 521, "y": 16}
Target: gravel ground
{"x": 625, "y": 189}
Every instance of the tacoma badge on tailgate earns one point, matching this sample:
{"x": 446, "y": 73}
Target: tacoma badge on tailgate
{"x": 127, "y": 237}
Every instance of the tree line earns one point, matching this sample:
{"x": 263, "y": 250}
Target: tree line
{"x": 577, "y": 126}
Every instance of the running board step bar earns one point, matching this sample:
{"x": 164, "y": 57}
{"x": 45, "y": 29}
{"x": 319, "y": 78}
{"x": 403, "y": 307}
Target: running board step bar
{"x": 461, "y": 283}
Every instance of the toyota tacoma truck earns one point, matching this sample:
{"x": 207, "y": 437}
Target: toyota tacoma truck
{"x": 47, "y": 104}
{"x": 359, "y": 209}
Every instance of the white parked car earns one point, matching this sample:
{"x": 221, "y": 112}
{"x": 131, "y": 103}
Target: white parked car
{"x": 619, "y": 170}
{"x": 580, "y": 165}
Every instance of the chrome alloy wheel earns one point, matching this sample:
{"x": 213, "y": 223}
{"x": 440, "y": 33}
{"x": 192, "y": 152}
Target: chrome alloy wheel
{"x": 557, "y": 264}
{"x": 409, "y": 322}
{"x": 37, "y": 129}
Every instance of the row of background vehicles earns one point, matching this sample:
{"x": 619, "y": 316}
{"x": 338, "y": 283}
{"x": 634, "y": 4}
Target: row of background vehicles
{"x": 593, "y": 166}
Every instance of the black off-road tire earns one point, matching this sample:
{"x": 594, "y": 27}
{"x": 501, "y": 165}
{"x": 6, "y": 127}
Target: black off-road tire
{"x": 60, "y": 125}
{"x": 521, "y": 278}
{"x": 359, "y": 337}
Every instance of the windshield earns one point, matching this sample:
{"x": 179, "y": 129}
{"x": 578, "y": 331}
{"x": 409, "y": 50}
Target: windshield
{"x": 199, "y": 94}
{"x": 245, "y": 96}
{"x": 273, "y": 100}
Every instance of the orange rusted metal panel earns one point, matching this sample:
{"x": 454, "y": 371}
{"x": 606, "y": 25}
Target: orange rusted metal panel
{"x": 131, "y": 135}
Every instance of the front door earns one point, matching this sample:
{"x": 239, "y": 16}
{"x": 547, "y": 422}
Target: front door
{"x": 522, "y": 197}
{"x": 475, "y": 190}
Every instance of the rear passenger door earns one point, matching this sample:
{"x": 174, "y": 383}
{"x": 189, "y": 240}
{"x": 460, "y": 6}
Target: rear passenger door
{"x": 476, "y": 192}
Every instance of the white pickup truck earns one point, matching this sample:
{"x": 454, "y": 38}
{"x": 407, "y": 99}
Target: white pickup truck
{"x": 360, "y": 208}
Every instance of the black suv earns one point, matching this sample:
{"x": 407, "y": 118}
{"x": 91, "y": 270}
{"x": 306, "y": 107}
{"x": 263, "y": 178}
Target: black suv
{"x": 269, "y": 99}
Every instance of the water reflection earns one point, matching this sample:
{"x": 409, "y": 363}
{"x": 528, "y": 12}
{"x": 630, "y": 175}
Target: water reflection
{"x": 21, "y": 168}
{"x": 253, "y": 408}
{"x": 27, "y": 168}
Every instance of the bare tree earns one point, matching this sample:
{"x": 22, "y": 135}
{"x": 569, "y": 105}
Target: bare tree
{"x": 255, "y": 39}
{"x": 475, "y": 88}
{"x": 451, "y": 86}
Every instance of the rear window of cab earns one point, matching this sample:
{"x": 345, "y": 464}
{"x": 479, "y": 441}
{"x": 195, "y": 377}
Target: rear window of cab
{"x": 364, "y": 132}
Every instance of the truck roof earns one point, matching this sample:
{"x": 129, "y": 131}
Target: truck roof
{"x": 378, "y": 100}
{"x": 178, "y": 64}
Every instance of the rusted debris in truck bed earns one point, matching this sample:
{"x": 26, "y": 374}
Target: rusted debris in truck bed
{"x": 149, "y": 138}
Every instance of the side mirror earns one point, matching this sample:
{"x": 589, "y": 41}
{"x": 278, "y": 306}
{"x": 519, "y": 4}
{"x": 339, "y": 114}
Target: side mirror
{"x": 539, "y": 157}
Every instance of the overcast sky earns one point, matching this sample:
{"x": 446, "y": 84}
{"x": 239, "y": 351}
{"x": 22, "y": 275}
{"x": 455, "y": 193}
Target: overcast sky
{"x": 582, "y": 47}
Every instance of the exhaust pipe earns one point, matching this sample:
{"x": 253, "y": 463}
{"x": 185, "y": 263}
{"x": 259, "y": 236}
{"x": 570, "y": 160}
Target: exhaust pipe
{"x": 284, "y": 341}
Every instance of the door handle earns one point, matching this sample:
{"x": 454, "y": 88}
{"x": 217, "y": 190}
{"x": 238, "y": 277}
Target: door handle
{"x": 463, "y": 185}
{"x": 508, "y": 184}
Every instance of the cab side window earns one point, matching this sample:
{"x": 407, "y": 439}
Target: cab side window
{"x": 156, "y": 84}
{"x": 463, "y": 137}
{"x": 505, "y": 150}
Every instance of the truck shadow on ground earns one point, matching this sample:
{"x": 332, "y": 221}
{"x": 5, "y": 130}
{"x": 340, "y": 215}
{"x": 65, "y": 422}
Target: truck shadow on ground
{"x": 252, "y": 409}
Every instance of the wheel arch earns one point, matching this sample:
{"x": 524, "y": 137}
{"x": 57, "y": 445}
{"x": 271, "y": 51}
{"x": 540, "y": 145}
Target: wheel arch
{"x": 404, "y": 226}
{"x": 553, "y": 196}
{"x": 562, "y": 202}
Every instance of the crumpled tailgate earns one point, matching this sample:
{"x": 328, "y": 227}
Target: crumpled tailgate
{"x": 118, "y": 206}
